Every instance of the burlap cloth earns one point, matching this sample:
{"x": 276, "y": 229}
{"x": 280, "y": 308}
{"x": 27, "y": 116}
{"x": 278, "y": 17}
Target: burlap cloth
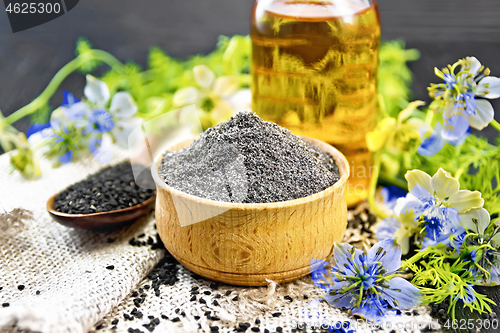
{"x": 69, "y": 289}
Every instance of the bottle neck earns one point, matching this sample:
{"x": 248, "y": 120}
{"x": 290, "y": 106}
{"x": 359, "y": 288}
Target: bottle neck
{"x": 312, "y": 9}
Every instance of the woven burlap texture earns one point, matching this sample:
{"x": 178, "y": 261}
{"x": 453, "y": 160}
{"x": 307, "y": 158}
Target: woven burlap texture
{"x": 76, "y": 293}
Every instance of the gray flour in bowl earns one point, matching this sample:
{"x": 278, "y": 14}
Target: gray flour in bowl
{"x": 248, "y": 160}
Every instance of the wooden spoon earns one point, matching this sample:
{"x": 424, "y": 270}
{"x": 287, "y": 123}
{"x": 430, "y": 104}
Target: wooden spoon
{"x": 103, "y": 220}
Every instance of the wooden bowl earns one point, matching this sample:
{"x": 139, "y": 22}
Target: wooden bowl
{"x": 103, "y": 220}
{"x": 248, "y": 243}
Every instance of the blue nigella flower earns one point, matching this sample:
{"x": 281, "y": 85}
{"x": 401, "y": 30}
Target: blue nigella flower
{"x": 458, "y": 132}
{"x": 432, "y": 145}
{"x": 465, "y": 102}
{"x": 450, "y": 81}
{"x": 67, "y": 156}
{"x": 72, "y": 108}
{"x": 100, "y": 121}
{"x": 101, "y": 150}
{"x": 366, "y": 283}
{"x": 440, "y": 222}
{"x": 469, "y": 296}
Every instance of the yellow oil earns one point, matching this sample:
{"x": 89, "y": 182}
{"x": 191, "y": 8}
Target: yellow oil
{"x": 314, "y": 71}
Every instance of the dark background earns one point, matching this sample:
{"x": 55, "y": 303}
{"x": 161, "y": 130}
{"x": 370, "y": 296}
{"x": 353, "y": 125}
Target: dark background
{"x": 443, "y": 30}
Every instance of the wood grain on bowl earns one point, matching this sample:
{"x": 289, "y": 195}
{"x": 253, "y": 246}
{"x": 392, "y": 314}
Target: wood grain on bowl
{"x": 248, "y": 243}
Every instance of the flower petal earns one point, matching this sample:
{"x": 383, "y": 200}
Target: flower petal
{"x": 418, "y": 177}
{"x": 480, "y": 215}
{"x": 406, "y": 294}
{"x": 472, "y": 65}
{"x": 489, "y": 87}
{"x": 458, "y": 133}
{"x": 241, "y": 100}
{"x": 123, "y": 128}
{"x": 225, "y": 86}
{"x": 38, "y": 127}
{"x": 484, "y": 115}
{"x": 204, "y": 76}
{"x": 388, "y": 253}
{"x": 96, "y": 91}
{"x": 377, "y": 138}
{"x": 122, "y": 105}
{"x": 66, "y": 157}
{"x": 340, "y": 300}
{"x": 387, "y": 228}
{"x": 464, "y": 200}
{"x": 406, "y": 113}
{"x": 75, "y": 112}
{"x": 343, "y": 255}
{"x": 444, "y": 185}
{"x": 319, "y": 272}
{"x": 432, "y": 145}
{"x": 101, "y": 149}
{"x": 186, "y": 96}
{"x": 100, "y": 121}
{"x": 69, "y": 99}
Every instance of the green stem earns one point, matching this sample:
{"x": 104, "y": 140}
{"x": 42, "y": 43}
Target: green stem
{"x": 373, "y": 186}
{"x": 56, "y": 81}
{"x": 495, "y": 124}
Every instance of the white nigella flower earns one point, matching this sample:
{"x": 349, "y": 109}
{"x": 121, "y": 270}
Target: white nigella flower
{"x": 435, "y": 204}
{"x": 122, "y": 109}
{"x": 212, "y": 94}
{"x": 473, "y": 81}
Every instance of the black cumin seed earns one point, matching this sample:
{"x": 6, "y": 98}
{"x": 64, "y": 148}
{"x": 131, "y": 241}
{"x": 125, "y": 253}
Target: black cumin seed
{"x": 113, "y": 327}
{"x": 215, "y": 318}
{"x": 228, "y": 292}
{"x": 164, "y": 317}
{"x": 215, "y": 303}
{"x": 279, "y": 329}
{"x": 151, "y": 317}
{"x": 207, "y": 313}
{"x": 276, "y": 314}
{"x": 214, "y": 328}
{"x": 176, "y": 319}
{"x": 288, "y": 298}
{"x": 114, "y": 322}
{"x": 183, "y": 314}
{"x": 135, "y": 294}
{"x": 156, "y": 321}
{"x": 197, "y": 317}
{"x": 177, "y": 310}
{"x": 110, "y": 267}
{"x": 207, "y": 292}
{"x": 235, "y": 298}
{"x": 98, "y": 327}
{"x": 147, "y": 287}
{"x": 218, "y": 296}
{"x": 192, "y": 299}
{"x": 20, "y": 287}
{"x": 257, "y": 321}
{"x": 38, "y": 292}
{"x": 4, "y": 305}
{"x": 202, "y": 301}
{"x": 255, "y": 329}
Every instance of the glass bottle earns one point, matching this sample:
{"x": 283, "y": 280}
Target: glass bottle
{"x": 314, "y": 71}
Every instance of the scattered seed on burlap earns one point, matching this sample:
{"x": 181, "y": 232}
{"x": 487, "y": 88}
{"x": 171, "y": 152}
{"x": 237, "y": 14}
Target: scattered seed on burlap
{"x": 109, "y": 189}
{"x": 246, "y": 159}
